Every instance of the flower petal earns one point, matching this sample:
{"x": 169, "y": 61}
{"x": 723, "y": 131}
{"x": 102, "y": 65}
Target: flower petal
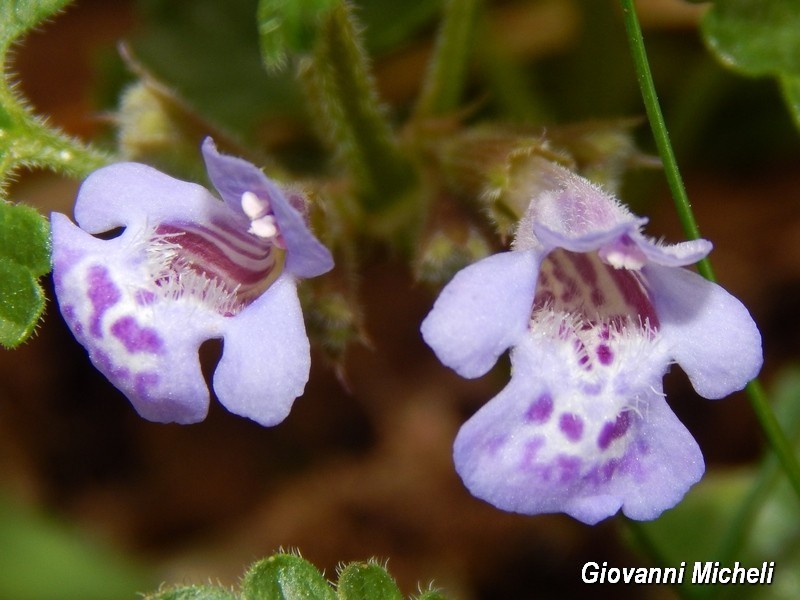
{"x": 537, "y": 448}
{"x": 570, "y": 207}
{"x": 126, "y": 193}
{"x": 233, "y": 177}
{"x": 674, "y": 255}
{"x": 710, "y": 333}
{"x": 586, "y": 242}
{"x": 140, "y": 342}
{"x": 483, "y": 311}
{"x": 266, "y": 357}
{"x": 664, "y": 462}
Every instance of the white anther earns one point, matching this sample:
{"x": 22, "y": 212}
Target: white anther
{"x": 264, "y": 227}
{"x": 253, "y": 206}
{"x": 624, "y": 260}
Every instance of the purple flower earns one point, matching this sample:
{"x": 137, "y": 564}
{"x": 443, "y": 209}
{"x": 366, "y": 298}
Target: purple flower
{"x": 187, "y": 268}
{"x": 594, "y": 312}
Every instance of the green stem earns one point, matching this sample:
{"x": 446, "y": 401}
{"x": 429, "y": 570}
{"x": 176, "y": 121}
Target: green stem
{"x": 758, "y": 399}
{"x": 444, "y": 81}
{"x": 351, "y": 117}
{"x": 660, "y": 133}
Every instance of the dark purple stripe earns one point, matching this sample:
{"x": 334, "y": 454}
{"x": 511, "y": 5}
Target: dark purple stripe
{"x": 633, "y": 294}
{"x": 204, "y": 256}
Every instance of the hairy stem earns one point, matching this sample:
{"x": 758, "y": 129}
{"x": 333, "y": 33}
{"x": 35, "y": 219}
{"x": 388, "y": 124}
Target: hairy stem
{"x": 447, "y": 72}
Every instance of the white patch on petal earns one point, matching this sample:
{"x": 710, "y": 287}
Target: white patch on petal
{"x": 605, "y": 371}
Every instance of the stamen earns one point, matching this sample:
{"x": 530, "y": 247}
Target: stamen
{"x": 262, "y": 221}
{"x": 265, "y": 227}
{"x": 253, "y": 206}
{"x": 623, "y": 253}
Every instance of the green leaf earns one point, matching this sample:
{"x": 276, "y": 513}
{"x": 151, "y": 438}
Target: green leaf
{"x": 25, "y": 237}
{"x": 757, "y": 39}
{"x": 192, "y": 592}
{"x": 210, "y": 53}
{"x": 432, "y": 595}
{"x": 21, "y": 303}
{"x": 367, "y": 581}
{"x": 207, "y": 51}
{"x": 20, "y": 16}
{"x": 25, "y": 140}
{"x": 24, "y": 257}
{"x": 285, "y": 577}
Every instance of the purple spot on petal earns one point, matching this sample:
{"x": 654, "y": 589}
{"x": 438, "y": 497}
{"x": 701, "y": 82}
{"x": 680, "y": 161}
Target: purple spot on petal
{"x": 494, "y": 443}
{"x": 604, "y": 472}
{"x": 104, "y": 364}
{"x": 605, "y": 354}
{"x": 540, "y": 409}
{"x": 102, "y": 361}
{"x": 571, "y": 425}
{"x": 569, "y": 467}
{"x": 530, "y": 451}
{"x": 103, "y": 294}
{"x": 68, "y": 312}
{"x": 609, "y": 468}
{"x": 613, "y": 431}
{"x": 142, "y": 384}
{"x": 591, "y": 389}
{"x": 136, "y": 338}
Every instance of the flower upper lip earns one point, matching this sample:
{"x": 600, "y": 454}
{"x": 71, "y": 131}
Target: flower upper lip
{"x": 233, "y": 177}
